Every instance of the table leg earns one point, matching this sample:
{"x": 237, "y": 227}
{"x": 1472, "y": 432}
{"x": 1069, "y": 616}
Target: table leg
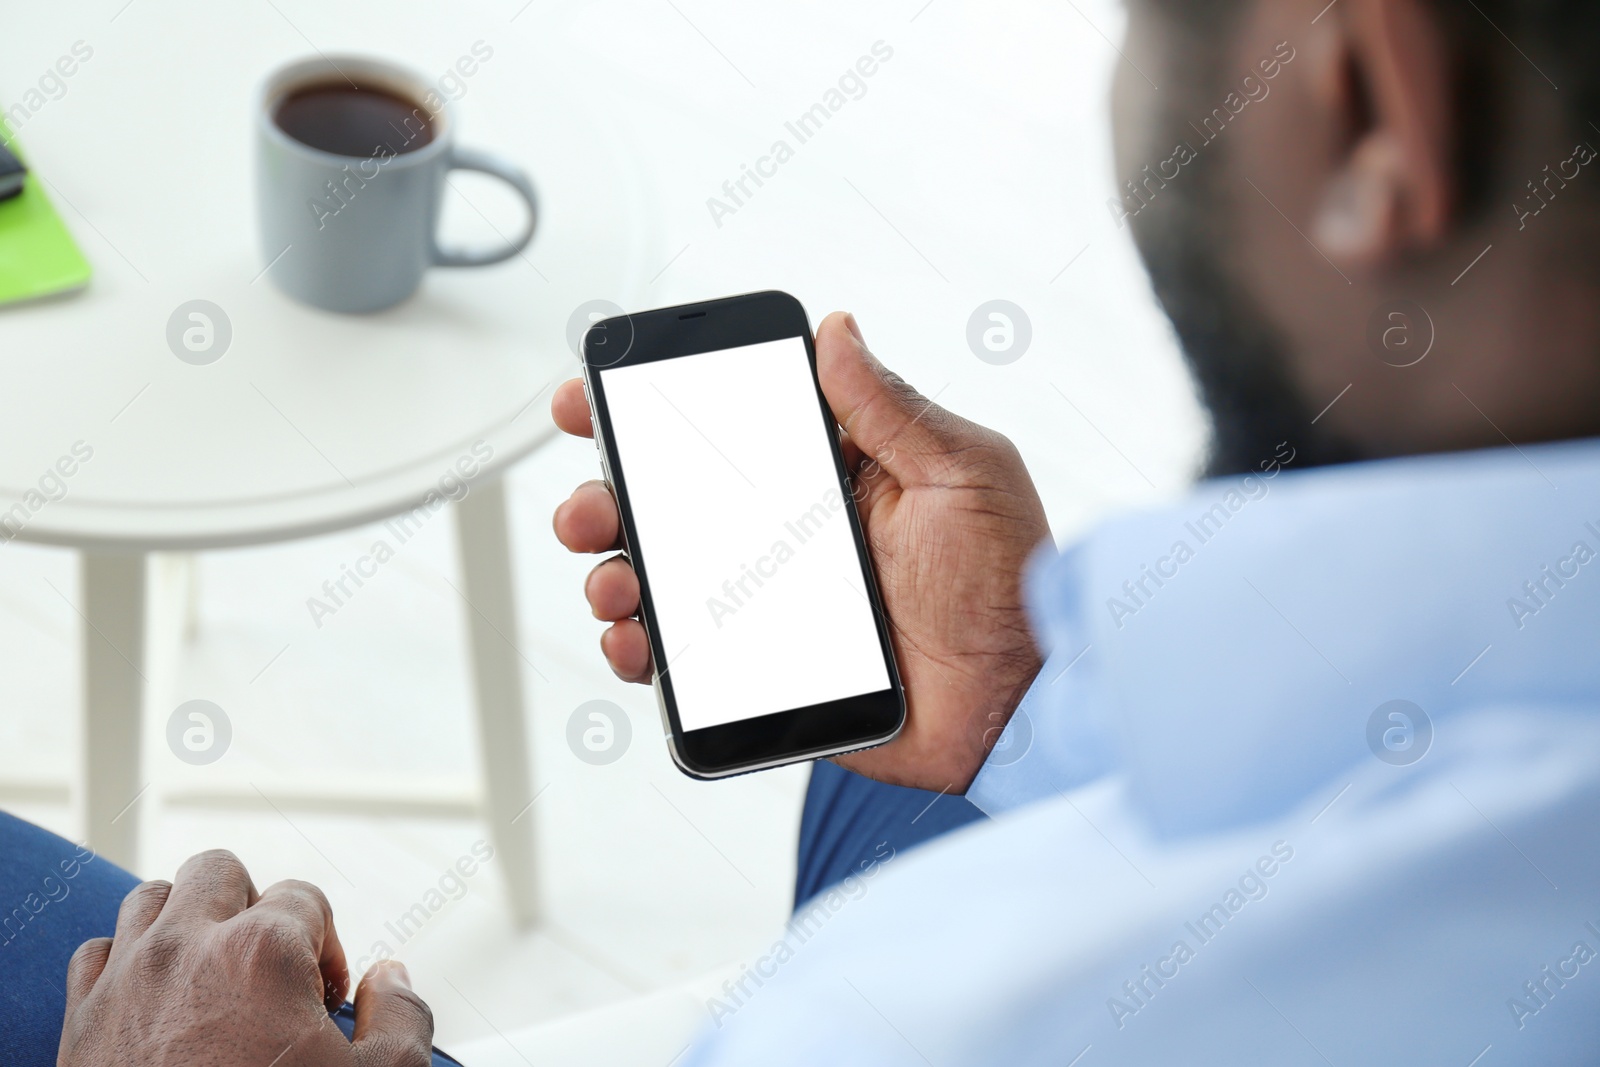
{"x": 484, "y": 541}
{"x": 114, "y": 595}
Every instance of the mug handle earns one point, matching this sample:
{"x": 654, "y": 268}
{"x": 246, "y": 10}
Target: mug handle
{"x": 483, "y": 162}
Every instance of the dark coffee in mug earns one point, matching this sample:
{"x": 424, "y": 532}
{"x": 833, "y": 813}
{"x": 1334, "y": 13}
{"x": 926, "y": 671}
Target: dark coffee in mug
{"x": 354, "y": 120}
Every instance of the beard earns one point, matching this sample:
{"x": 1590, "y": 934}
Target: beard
{"x": 1239, "y": 360}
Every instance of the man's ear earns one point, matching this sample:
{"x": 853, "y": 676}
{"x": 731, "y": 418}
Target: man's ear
{"x": 1386, "y": 82}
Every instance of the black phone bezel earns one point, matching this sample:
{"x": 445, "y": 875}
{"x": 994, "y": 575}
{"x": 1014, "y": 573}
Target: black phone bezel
{"x": 797, "y": 734}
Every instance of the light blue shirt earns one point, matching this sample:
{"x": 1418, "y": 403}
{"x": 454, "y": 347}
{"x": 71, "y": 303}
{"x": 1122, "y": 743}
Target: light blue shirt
{"x": 1218, "y": 840}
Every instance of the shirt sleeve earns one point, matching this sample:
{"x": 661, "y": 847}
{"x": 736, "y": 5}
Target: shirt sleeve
{"x": 1045, "y": 749}
{"x": 1059, "y": 737}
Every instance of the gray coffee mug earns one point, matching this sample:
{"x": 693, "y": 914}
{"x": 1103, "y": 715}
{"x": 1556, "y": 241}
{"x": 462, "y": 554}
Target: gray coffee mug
{"x": 355, "y": 233}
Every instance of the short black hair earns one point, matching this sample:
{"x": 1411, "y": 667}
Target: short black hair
{"x": 1549, "y": 40}
{"x": 1549, "y": 43}
{"x": 1493, "y": 42}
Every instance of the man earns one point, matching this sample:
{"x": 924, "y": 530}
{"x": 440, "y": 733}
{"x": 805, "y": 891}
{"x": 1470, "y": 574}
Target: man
{"x": 1312, "y": 771}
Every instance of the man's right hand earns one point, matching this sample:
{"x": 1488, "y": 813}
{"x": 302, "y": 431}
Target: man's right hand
{"x": 951, "y": 517}
{"x": 206, "y": 972}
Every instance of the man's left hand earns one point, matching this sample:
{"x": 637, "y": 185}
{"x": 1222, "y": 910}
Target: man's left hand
{"x": 206, "y": 972}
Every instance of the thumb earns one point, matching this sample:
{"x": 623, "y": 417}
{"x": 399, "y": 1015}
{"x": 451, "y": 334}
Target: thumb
{"x": 909, "y": 435}
{"x": 394, "y": 1026}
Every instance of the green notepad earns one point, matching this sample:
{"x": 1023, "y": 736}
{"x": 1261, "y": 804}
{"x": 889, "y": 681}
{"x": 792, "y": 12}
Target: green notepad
{"x": 37, "y": 255}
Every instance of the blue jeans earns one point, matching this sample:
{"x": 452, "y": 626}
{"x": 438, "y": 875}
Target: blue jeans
{"x": 55, "y": 896}
{"x": 848, "y": 819}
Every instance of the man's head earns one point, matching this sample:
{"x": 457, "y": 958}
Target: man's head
{"x": 1325, "y": 193}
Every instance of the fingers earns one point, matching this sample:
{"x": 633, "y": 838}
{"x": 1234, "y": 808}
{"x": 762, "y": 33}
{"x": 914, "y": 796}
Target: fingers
{"x": 85, "y": 969}
{"x": 213, "y": 885}
{"x": 303, "y": 908}
{"x": 570, "y": 408}
{"x": 884, "y": 416}
{"x": 628, "y": 651}
{"x": 394, "y": 1026}
{"x": 613, "y": 590}
{"x": 139, "y": 909}
{"x": 588, "y": 521}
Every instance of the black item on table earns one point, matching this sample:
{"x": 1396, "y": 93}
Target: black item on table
{"x": 12, "y": 173}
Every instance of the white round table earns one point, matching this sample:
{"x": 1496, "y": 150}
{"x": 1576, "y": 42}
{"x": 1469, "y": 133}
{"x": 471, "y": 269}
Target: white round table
{"x": 310, "y": 421}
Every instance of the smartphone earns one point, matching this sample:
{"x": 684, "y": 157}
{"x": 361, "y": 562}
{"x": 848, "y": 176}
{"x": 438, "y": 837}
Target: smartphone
{"x": 768, "y": 636}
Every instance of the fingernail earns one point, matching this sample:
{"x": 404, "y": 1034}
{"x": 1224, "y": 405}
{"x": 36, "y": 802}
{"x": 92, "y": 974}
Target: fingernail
{"x": 397, "y": 970}
{"x": 854, "y": 328}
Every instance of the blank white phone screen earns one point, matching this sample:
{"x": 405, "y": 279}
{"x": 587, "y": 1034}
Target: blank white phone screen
{"x": 742, "y": 531}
